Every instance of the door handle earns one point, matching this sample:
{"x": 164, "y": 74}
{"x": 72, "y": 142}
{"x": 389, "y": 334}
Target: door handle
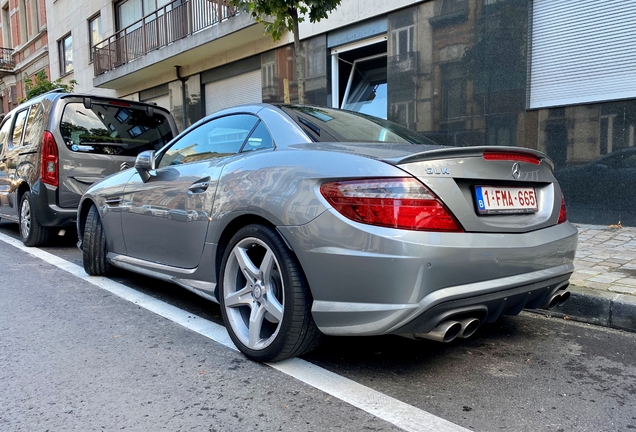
{"x": 199, "y": 187}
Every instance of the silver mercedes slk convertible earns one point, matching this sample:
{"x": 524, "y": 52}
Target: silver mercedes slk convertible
{"x": 302, "y": 221}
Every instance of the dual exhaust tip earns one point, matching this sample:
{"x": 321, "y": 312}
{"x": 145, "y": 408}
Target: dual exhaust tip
{"x": 557, "y": 299}
{"x": 446, "y": 331}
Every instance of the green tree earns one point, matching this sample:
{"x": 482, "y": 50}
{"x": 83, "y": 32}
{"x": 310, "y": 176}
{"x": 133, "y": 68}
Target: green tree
{"x": 284, "y": 15}
{"x": 41, "y": 84}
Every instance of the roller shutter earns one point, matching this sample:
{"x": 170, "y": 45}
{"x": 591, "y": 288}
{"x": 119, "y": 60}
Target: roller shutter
{"x": 163, "y": 101}
{"x": 582, "y": 51}
{"x": 236, "y": 90}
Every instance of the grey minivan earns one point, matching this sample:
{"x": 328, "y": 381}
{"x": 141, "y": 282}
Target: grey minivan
{"x": 53, "y": 147}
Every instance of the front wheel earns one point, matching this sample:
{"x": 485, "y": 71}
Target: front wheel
{"x": 32, "y": 232}
{"x": 94, "y": 245}
{"x": 265, "y": 299}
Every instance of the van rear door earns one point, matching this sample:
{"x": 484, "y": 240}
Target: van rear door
{"x": 99, "y": 136}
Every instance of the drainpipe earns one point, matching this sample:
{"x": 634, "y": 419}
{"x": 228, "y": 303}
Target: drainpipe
{"x": 183, "y": 96}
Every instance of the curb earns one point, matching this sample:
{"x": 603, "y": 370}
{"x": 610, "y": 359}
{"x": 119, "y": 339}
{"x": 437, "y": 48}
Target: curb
{"x": 599, "y": 308}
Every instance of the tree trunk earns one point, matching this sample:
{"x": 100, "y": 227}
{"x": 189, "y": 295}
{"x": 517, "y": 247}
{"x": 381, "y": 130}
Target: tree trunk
{"x": 298, "y": 58}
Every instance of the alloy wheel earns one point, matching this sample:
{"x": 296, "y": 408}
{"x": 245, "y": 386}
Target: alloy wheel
{"x": 25, "y": 218}
{"x": 253, "y": 293}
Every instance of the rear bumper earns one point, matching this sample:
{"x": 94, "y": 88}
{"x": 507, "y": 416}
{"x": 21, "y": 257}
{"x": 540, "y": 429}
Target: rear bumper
{"x": 368, "y": 281}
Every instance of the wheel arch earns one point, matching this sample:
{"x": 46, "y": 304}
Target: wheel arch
{"x": 232, "y": 228}
{"x": 22, "y": 189}
{"x": 82, "y": 214}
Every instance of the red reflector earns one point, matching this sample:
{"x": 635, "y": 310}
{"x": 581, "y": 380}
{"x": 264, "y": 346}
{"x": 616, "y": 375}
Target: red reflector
{"x": 511, "y": 156}
{"x": 402, "y": 203}
{"x": 49, "y": 160}
{"x": 563, "y": 214}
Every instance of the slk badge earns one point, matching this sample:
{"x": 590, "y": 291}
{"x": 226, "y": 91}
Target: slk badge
{"x": 430, "y": 170}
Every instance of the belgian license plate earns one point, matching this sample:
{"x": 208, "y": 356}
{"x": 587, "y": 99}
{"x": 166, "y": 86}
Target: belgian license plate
{"x": 493, "y": 200}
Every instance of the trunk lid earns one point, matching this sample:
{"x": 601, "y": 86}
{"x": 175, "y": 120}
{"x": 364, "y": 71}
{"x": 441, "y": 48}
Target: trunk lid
{"x": 457, "y": 175}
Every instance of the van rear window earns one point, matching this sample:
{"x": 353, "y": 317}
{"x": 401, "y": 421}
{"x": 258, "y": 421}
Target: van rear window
{"x": 113, "y": 130}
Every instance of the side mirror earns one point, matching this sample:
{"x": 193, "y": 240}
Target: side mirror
{"x": 144, "y": 164}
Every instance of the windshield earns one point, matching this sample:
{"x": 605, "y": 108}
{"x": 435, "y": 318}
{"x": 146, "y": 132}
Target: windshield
{"x": 333, "y": 125}
{"x": 113, "y": 130}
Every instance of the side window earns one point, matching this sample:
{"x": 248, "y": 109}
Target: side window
{"x": 259, "y": 139}
{"x": 217, "y": 138}
{"x": 34, "y": 125}
{"x": 4, "y": 133}
{"x": 18, "y": 128}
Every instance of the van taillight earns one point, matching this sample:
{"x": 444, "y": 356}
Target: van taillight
{"x": 50, "y": 165}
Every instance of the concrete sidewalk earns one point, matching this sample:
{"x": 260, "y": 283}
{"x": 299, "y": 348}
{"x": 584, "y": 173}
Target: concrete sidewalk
{"x": 603, "y": 285}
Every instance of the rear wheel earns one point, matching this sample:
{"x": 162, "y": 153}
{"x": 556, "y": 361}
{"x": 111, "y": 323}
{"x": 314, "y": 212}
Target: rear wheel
{"x": 94, "y": 245}
{"x": 32, "y": 232}
{"x": 265, "y": 299}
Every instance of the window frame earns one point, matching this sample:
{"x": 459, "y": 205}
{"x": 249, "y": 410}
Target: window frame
{"x": 97, "y": 18}
{"x": 62, "y": 54}
{"x": 5, "y": 140}
{"x": 16, "y": 117}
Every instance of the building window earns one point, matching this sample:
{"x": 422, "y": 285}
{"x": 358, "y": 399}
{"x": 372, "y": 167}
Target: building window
{"x": 454, "y": 6}
{"x": 131, "y": 11}
{"x": 402, "y": 41}
{"x": 316, "y": 58}
{"x": 28, "y": 17}
{"x": 94, "y": 33}
{"x": 367, "y": 87}
{"x": 453, "y": 92}
{"x": 6, "y": 28}
{"x": 65, "y": 47}
{"x": 33, "y": 22}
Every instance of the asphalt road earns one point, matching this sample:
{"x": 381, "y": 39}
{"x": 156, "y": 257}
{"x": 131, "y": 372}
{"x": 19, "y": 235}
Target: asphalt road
{"x": 76, "y": 357}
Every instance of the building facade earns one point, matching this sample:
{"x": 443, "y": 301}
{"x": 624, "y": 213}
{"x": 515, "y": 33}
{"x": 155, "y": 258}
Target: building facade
{"x": 24, "y": 48}
{"x": 551, "y": 75}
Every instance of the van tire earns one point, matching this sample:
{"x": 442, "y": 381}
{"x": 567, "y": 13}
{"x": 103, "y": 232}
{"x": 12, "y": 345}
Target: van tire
{"x": 32, "y": 232}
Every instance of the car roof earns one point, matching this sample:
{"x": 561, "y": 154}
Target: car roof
{"x": 55, "y": 95}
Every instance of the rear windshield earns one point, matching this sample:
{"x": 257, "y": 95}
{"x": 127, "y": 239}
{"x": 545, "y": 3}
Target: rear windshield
{"x": 333, "y": 125}
{"x": 113, "y": 130}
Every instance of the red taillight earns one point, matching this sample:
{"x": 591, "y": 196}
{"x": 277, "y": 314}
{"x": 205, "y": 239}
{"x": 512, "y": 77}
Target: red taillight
{"x": 563, "y": 214}
{"x": 511, "y": 156}
{"x": 396, "y": 203}
{"x": 50, "y": 169}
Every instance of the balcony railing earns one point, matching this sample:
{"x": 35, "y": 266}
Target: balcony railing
{"x": 404, "y": 62}
{"x": 6, "y": 59}
{"x": 158, "y": 29}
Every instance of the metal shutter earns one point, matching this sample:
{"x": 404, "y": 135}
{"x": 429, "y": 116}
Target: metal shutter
{"x": 582, "y": 51}
{"x": 240, "y": 89}
{"x": 162, "y": 101}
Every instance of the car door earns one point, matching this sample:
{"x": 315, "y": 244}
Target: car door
{"x": 10, "y": 165}
{"x": 157, "y": 226}
{"x": 5, "y": 184}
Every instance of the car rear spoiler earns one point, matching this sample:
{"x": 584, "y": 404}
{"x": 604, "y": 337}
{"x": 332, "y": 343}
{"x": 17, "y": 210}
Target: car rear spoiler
{"x": 463, "y": 152}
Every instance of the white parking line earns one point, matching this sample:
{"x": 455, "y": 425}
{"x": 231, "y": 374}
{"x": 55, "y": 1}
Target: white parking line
{"x": 400, "y": 414}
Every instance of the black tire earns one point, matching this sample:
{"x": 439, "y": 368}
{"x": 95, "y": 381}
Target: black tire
{"x": 273, "y": 290}
{"x": 94, "y": 245}
{"x": 32, "y": 232}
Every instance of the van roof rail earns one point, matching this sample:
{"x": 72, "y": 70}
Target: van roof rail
{"x": 56, "y": 90}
